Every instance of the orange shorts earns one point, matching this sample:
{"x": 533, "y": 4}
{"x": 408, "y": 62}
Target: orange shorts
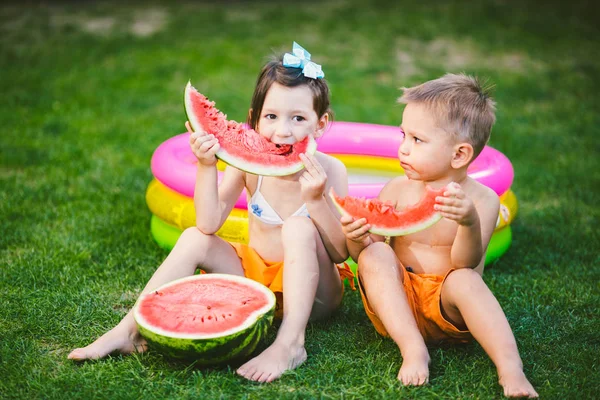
{"x": 424, "y": 293}
{"x": 270, "y": 273}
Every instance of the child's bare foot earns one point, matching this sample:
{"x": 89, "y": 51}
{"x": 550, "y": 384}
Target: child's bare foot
{"x": 273, "y": 362}
{"x": 119, "y": 339}
{"x": 415, "y": 368}
{"x": 515, "y": 384}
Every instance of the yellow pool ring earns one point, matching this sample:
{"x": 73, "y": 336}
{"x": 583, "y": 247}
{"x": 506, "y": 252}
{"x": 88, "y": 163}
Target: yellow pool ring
{"x": 508, "y": 209}
{"x": 379, "y": 165}
{"x": 178, "y": 210}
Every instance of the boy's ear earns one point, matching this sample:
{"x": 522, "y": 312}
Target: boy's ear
{"x": 463, "y": 155}
{"x": 322, "y": 125}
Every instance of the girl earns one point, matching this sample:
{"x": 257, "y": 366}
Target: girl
{"x": 291, "y": 222}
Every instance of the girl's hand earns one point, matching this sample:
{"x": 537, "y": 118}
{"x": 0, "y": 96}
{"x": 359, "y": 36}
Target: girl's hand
{"x": 203, "y": 146}
{"x": 356, "y": 230}
{"x": 456, "y": 206}
{"x": 313, "y": 180}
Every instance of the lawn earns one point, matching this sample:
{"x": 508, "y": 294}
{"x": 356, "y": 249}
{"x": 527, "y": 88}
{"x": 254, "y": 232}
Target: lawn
{"x": 90, "y": 89}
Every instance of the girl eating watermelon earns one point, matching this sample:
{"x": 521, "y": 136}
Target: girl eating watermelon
{"x": 291, "y": 221}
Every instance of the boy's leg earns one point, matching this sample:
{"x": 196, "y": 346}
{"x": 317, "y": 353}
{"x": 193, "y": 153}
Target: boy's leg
{"x": 193, "y": 249}
{"x": 311, "y": 283}
{"x": 382, "y": 281}
{"x": 467, "y": 301}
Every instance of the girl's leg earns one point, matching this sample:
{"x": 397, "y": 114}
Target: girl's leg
{"x": 193, "y": 249}
{"x": 467, "y": 301}
{"x": 382, "y": 281}
{"x": 311, "y": 286}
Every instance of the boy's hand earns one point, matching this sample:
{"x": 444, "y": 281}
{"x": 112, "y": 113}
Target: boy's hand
{"x": 456, "y": 206}
{"x": 356, "y": 230}
{"x": 203, "y": 146}
{"x": 313, "y": 180}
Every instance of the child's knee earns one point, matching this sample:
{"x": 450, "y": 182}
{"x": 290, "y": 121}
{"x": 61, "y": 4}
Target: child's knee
{"x": 464, "y": 282}
{"x": 295, "y": 228}
{"x": 375, "y": 257}
{"x": 194, "y": 239}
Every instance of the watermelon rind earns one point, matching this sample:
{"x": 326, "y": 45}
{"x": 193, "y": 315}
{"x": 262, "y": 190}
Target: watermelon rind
{"x": 391, "y": 231}
{"x": 240, "y": 163}
{"x": 217, "y": 348}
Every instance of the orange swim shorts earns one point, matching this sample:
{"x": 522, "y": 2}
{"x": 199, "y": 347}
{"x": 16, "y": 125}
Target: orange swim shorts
{"x": 424, "y": 293}
{"x": 270, "y": 273}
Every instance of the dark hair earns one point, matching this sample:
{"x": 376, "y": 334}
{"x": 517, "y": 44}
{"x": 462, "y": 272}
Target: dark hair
{"x": 274, "y": 71}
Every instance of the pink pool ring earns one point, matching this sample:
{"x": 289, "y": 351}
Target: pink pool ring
{"x": 174, "y": 164}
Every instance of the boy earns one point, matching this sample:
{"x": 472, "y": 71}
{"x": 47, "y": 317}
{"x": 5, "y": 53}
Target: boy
{"x": 427, "y": 286}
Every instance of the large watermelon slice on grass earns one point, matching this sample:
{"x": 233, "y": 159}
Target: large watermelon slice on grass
{"x": 209, "y": 318}
{"x": 242, "y": 147}
{"x": 385, "y": 219}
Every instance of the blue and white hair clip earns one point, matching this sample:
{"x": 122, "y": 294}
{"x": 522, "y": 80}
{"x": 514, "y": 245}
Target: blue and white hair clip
{"x": 300, "y": 58}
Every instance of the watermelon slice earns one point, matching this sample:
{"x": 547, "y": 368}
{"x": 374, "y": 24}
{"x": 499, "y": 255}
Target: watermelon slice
{"x": 242, "y": 147}
{"x": 385, "y": 219}
{"x": 210, "y": 318}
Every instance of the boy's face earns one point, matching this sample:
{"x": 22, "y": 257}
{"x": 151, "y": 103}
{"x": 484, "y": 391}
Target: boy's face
{"x": 427, "y": 150}
{"x": 288, "y": 115}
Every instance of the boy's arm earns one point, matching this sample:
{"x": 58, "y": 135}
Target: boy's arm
{"x": 213, "y": 201}
{"x": 476, "y": 222}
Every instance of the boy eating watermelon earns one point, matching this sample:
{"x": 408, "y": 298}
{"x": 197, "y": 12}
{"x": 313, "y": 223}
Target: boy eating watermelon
{"x": 427, "y": 287}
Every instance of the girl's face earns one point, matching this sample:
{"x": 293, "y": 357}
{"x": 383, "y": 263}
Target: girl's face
{"x": 288, "y": 115}
{"x": 427, "y": 150}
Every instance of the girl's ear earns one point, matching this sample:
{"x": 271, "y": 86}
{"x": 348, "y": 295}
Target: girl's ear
{"x": 322, "y": 125}
{"x": 463, "y": 155}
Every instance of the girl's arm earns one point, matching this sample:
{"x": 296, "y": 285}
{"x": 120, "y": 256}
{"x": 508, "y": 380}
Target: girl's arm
{"x": 213, "y": 201}
{"x": 315, "y": 187}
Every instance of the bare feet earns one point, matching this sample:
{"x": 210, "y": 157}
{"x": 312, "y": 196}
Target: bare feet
{"x": 515, "y": 384}
{"x": 273, "y": 362}
{"x": 117, "y": 339}
{"x": 415, "y": 368}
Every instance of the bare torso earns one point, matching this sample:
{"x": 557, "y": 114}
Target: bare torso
{"x": 428, "y": 251}
{"x": 283, "y": 194}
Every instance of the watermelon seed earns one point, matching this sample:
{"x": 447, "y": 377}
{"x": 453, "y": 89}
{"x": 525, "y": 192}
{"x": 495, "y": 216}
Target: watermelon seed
{"x": 208, "y": 307}
{"x": 210, "y": 317}
{"x": 223, "y": 316}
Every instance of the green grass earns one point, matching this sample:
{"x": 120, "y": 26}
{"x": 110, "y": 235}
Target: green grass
{"x": 90, "y": 89}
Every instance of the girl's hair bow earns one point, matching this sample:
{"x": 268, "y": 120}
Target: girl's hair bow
{"x": 301, "y": 59}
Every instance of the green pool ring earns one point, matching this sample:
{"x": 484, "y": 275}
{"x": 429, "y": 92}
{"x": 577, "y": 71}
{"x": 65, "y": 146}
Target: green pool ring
{"x": 166, "y": 236}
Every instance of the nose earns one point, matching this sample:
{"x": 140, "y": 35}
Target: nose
{"x": 284, "y": 129}
{"x": 404, "y": 147}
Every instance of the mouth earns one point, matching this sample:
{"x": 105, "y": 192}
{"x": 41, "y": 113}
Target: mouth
{"x": 283, "y": 149}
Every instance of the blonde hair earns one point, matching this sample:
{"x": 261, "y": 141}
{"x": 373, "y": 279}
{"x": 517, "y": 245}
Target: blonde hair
{"x": 462, "y": 106}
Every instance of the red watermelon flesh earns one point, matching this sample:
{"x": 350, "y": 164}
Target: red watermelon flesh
{"x": 385, "y": 219}
{"x": 211, "y": 318}
{"x": 204, "y": 308}
{"x": 242, "y": 147}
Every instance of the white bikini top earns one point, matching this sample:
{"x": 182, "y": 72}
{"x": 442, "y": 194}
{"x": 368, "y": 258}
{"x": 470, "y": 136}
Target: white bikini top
{"x": 263, "y": 210}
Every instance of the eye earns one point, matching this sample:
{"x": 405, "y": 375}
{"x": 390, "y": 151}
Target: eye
{"x": 298, "y": 118}
{"x": 417, "y": 140}
{"x": 270, "y": 116}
